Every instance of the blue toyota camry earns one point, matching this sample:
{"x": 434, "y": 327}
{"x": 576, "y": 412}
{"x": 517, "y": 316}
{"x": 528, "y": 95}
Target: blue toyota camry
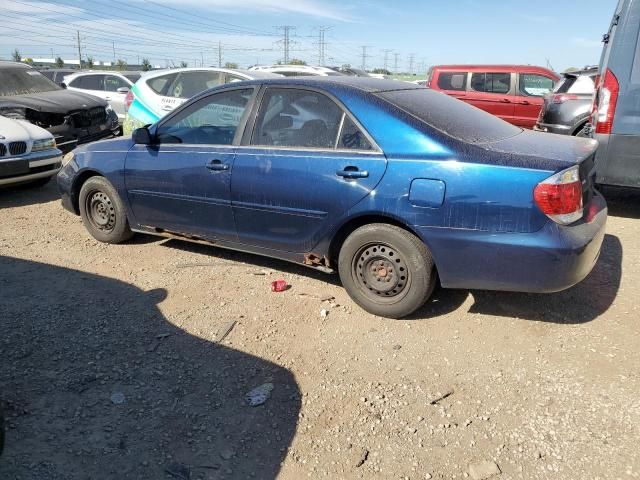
{"x": 392, "y": 185}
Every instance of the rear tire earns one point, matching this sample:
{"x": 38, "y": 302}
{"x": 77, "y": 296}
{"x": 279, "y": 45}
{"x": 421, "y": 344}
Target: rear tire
{"x": 102, "y": 211}
{"x": 386, "y": 270}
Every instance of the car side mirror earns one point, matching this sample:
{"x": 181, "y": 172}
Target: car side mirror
{"x": 123, "y": 90}
{"x": 142, "y": 136}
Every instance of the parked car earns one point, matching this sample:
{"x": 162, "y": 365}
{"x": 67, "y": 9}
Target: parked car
{"x": 512, "y": 92}
{"x": 111, "y": 86}
{"x": 297, "y": 70}
{"x": 353, "y": 72}
{"x": 390, "y": 184}
{"x": 158, "y": 93}
{"x": 28, "y": 153}
{"x": 72, "y": 117}
{"x": 616, "y": 118}
{"x": 56, "y": 75}
{"x": 567, "y": 110}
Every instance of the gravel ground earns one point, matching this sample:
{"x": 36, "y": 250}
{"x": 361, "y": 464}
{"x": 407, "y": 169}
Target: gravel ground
{"x": 115, "y": 364}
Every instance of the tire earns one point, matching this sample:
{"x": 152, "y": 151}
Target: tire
{"x": 386, "y": 270}
{"x": 102, "y": 211}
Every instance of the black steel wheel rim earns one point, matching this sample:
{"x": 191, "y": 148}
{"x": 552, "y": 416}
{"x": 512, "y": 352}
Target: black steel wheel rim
{"x": 100, "y": 211}
{"x": 380, "y": 272}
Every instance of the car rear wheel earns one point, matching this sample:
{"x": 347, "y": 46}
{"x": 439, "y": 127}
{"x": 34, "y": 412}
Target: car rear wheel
{"x": 103, "y": 212}
{"x": 386, "y": 270}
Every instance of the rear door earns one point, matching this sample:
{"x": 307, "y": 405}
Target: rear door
{"x": 532, "y": 88}
{"x": 307, "y": 162}
{"x": 451, "y": 83}
{"x": 493, "y": 92}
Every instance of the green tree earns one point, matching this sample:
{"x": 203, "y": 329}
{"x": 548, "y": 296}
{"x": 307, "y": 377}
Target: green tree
{"x": 16, "y": 55}
{"x": 230, "y": 65}
{"x": 382, "y": 71}
{"x": 90, "y": 61}
{"x": 297, "y": 61}
{"x": 121, "y": 64}
{"x": 28, "y": 60}
{"x": 59, "y": 62}
{"x": 183, "y": 64}
{"x": 146, "y": 65}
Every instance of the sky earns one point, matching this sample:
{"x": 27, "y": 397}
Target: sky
{"x": 403, "y": 34}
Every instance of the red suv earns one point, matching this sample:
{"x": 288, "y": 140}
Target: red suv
{"x": 512, "y": 92}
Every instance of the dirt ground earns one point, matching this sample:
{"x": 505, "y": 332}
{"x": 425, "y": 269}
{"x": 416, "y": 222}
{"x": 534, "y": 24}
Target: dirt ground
{"x": 112, "y": 366}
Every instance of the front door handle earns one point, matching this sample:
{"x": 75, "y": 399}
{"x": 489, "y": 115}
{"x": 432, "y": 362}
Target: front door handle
{"x": 217, "y": 165}
{"x": 505, "y": 100}
{"x": 352, "y": 172}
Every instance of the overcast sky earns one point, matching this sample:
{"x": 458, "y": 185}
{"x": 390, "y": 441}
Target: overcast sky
{"x": 563, "y": 33}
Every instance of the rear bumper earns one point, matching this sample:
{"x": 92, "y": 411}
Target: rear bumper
{"x": 552, "y": 259}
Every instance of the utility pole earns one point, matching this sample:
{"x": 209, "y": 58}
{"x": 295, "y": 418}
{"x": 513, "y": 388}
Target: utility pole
{"x": 395, "y": 62}
{"x": 386, "y": 58}
{"x": 201, "y": 59}
{"x": 411, "y": 59}
{"x": 219, "y": 54}
{"x": 364, "y": 57}
{"x": 286, "y": 41}
{"x": 114, "y": 52}
{"x": 79, "y": 51}
{"x": 322, "y": 45}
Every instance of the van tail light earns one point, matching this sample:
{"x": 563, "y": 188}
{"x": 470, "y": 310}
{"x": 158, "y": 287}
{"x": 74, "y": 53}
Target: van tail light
{"x": 128, "y": 100}
{"x": 606, "y": 99}
{"x": 560, "y": 196}
{"x": 563, "y": 97}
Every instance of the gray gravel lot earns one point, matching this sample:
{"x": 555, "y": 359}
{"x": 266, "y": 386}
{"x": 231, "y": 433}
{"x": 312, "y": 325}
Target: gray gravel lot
{"x": 113, "y": 366}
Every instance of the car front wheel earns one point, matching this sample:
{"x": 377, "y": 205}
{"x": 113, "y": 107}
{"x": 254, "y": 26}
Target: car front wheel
{"x": 386, "y": 270}
{"x": 103, "y": 212}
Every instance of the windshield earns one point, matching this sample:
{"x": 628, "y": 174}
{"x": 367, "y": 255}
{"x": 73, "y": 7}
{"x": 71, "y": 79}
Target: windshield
{"x": 451, "y": 116}
{"x": 23, "y": 81}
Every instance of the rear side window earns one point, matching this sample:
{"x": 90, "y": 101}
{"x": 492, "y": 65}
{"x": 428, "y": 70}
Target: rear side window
{"x": 580, "y": 85}
{"x": 532, "y": 85}
{"x": 452, "y": 117}
{"x": 452, "y": 81}
{"x": 491, "y": 82}
{"x": 161, "y": 84}
{"x": 192, "y": 83}
{"x": 89, "y": 82}
{"x": 297, "y": 118}
{"x": 351, "y": 137}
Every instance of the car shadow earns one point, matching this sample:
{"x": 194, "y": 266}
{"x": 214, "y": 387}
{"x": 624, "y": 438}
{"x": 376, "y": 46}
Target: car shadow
{"x": 22, "y": 195}
{"x": 98, "y": 384}
{"x": 622, "y": 202}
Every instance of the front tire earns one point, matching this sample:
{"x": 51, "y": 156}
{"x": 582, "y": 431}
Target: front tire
{"x": 102, "y": 211}
{"x": 386, "y": 270}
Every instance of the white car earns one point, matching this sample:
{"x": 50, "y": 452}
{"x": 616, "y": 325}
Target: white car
{"x": 111, "y": 86}
{"x": 159, "y": 92}
{"x": 297, "y": 70}
{"x": 28, "y": 153}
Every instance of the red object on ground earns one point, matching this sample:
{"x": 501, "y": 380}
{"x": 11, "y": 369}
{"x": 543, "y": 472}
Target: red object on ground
{"x": 279, "y": 286}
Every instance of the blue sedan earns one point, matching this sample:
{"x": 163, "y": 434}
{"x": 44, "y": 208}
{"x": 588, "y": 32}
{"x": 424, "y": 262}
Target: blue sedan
{"x": 394, "y": 186}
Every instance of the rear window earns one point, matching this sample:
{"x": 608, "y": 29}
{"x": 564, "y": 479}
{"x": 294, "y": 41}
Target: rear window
{"x": 452, "y": 81}
{"x": 24, "y": 81}
{"x": 578, "y": 85}
{"x": 450, "y": 116}
{"x": 491, "y": 82}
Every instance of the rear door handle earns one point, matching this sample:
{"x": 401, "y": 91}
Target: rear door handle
{"x": 505, "y": 100}
{"x": 217, "y": 165}
{"x": 352, "y": 172}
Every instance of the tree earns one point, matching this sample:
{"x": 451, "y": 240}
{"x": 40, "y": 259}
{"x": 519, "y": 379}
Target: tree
{"x": 89, "y": 63}
{"x": 59, "y": 62}
{"x": 16, "y": 55}
{"x": 183, "y": 64}
{"x": 146, "y": 65}
{"x": 382, "y": 71}
{"x": 121, "y": 64}
{"x": 297, "y": 61}
{"x": 230, "y": 65}
{"x": 28, "y": 60}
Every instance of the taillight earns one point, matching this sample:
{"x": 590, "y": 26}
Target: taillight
{"x": 563, "y": 97}
{"x": 560, "y": 196}
{"x": 128, "y": 100}
{"x": 606, "y": 98}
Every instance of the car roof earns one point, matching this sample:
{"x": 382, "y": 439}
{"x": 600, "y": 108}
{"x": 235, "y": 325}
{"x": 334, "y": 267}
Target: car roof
{"x": 250, "y": 73}
{"x": 8, "y": 64}
{"x": 365, "y": 84}
{"x": 484, "y": 67}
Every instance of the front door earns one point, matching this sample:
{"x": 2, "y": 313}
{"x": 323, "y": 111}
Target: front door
{"x": 532, "y": 88}
{"x": 307, "y": 164}
{"x": 182, "y": 183}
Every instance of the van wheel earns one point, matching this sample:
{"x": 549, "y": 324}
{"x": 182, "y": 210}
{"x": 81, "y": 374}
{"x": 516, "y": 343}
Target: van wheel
{"x": 102, "y": 211}
{"x": 386, "y": 270}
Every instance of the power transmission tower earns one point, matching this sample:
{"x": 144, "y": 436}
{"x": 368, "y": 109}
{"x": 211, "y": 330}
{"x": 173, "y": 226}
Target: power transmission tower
{"x": 79, "y": 51}
{"x": 395, "y": 62}
{"x": 386, "y": 58}
{"x": 411, "y": 59}
{"x": 219, "y": 54}
{"x": 322, "y": 45}
{"x": 364, "y": 56}
{"x": 286, "y": 41}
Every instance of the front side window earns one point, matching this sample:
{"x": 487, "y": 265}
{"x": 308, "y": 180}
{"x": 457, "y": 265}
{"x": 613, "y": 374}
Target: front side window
{"x": 113, "y": 83}
{"x": 189, "y": 84}
{"x": 456, "y": 81}
{"x": 297, "y": 118}
{"x": 532, "y": 85}
{"x": 210, "y": 121}
{"x": 89, "y": 82}
{"x": 491, "y": 82}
